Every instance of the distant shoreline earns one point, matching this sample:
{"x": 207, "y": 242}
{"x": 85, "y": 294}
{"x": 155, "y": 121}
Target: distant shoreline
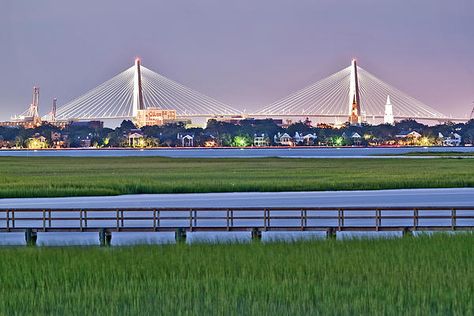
{"x": 229, "y": 148}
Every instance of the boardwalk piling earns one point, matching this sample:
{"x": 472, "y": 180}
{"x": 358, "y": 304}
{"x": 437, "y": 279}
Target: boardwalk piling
{"x": 105, "y": 237}
{"x": 180, "y": 235}
{"x": 331, "y": 233}
{"x": 406, "y": 232}
{"x": 30, "y": 237}
{"x": 256, "y": 234}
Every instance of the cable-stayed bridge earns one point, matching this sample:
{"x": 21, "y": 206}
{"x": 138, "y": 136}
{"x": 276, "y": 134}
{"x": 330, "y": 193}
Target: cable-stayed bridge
{"x": 353, "y": 89}
{"x": 351, "y": 94}
{"x": 140, "y": 88}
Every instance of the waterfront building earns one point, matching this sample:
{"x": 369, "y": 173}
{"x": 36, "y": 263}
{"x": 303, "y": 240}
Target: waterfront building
{"x": 283, "y": 139}
{"x": 135, "y": 139}
{"x": 356, "y": 138}
{"x": 154, "y": 116}
{"x": 186, "y": 140}
{"x": 309, "y": 139}
{"x": 454, "y": 139}
{"x": 260, "y": 140}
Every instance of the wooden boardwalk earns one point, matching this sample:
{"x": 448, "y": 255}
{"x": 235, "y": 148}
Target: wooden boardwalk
{"x": 257, "y": 220}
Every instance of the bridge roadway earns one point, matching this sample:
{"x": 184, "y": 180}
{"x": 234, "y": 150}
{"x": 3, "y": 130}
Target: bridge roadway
{"x": 381, "y": 198}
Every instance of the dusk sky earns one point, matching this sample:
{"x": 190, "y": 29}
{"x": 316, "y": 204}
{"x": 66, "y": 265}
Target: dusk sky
{"x": 246, "y": 53}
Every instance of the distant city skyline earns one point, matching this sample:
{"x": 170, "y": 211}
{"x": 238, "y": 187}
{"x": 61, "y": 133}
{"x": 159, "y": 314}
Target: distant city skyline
{"x": 246, "y": 54}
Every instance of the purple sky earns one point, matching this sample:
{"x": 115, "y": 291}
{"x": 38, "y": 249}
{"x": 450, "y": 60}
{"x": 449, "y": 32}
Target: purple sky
{"x": 246, "y": 53}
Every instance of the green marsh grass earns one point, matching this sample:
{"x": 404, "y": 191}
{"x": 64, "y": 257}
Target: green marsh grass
{"x": 72, "y": 176}
{"x": 436, "y": 153}
{"x": 408, "y": 276}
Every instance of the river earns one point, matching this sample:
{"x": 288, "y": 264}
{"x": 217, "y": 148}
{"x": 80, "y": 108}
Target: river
{"x": 294, "y": 152}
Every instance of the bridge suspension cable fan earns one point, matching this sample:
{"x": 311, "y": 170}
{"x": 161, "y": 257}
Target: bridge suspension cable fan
{"x": 334, "y": 95}
{"x": 115, "y": 98}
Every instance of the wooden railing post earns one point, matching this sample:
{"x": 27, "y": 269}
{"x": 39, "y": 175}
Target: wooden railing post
{"x": 453, "y": 219}
{"x": 80, "y": 220}
{"x": 190, "y": 220}
{"x": 415, "y": 218}
{"x": 8, "y": 220}
{"x": 117, "y": 219}
{"x": 265, "y": 219}
{"x": 340, "y": 219}
{"x": 268, "y": 219}
{"x": 44, "y": 220}
{"x": 302, "y": 220}
{"x": 195, "y": 218}
{"x": 378, "y": 219}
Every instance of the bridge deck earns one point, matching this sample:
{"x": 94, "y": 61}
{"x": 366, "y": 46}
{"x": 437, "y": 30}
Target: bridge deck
{"x": 238, "y": 219}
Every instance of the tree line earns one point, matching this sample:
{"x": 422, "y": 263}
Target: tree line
{"x": 243, "y": 133}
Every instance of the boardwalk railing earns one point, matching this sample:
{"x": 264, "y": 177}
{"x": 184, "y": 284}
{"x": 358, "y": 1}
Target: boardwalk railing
{"x": 180, "y": 220}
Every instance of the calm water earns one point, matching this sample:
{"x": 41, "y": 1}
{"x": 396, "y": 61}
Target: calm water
{"x": 233, "y": 152}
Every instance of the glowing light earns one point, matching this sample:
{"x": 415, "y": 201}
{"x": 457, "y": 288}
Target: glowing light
{"x": 35, "y": 143}
{"x": 241, "y": 141}
{"x": 337, "y": 141}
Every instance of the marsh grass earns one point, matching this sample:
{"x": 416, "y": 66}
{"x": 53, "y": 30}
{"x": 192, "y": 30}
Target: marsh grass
{"x": 436, "y": 153}
{"x": 426, "y": 275}
{"x": 73, "y": 176}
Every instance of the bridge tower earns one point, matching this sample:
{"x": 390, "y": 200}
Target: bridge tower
{"x": 53, "y": 110}
{"x": 33, "y": 109}
{"x": 354, "y": 96}
{"x": 137, "y": 89}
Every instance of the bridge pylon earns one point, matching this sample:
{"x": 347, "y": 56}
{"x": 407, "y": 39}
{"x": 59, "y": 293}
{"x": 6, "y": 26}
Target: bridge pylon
{"x": 137, "y": 89}
{"x": 354, "y": 96}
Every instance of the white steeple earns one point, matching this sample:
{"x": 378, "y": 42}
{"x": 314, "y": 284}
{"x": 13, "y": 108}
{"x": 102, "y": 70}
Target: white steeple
{"x": 388, "y": 117}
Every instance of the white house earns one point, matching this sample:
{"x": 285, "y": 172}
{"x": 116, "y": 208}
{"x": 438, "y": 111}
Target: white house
{"x": 309, "y": 139}
{"x": 356, "y": 138}
{"x": 454, "y": 139}
{"x": 134, "y": 139}
{"x": 284, "y": 139}
{"x": 186, "y": 140}
{"x": 260, "y": 141}
{"x": 298, "y": 138}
